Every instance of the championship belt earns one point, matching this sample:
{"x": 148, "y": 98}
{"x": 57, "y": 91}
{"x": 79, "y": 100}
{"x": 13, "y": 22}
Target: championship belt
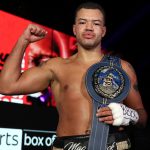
{"x": 106, "y": 82}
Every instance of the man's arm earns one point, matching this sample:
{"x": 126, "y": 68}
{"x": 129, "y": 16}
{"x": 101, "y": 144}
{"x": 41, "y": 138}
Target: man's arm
{"x": 12, "y": 81}
{"x": 134, "y": 99}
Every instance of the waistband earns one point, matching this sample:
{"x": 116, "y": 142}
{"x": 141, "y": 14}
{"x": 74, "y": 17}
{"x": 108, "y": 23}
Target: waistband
{"x": 61, "y": 141}
{"x": 112, "y": 138}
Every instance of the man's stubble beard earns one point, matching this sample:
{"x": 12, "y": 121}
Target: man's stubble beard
{"x": 89, "y": 45}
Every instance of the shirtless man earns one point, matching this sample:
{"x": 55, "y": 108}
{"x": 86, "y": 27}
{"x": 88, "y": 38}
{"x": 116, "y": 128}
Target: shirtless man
{"x": 66, "y": 78}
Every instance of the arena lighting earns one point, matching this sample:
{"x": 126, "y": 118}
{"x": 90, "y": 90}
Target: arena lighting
{"x": 44, "y": 98}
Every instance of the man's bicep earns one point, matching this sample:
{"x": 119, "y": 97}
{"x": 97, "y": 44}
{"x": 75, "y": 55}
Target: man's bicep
{"x": 33, "y": 80}
{"x": 133, "y": 99}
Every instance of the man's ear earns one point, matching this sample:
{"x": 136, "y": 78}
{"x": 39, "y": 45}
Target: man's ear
{"x": 74, "y": 30}
{"x": 103, "y": 31}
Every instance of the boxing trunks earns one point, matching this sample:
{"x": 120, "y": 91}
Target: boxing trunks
{"x": 116, "y": 141}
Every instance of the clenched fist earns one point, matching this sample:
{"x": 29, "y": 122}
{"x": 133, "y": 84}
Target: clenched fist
{"x": 33, "y": 33}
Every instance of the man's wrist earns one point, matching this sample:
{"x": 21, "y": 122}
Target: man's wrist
{"x": 123, "y": 115}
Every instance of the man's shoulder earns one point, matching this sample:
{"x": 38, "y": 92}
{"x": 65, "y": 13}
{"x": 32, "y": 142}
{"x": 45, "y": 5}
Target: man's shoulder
{"x": 58, "y": 60}
{"x": 125, "y": 63}
{"x": 117, "y": 57}
{"x": 55, "y": 60}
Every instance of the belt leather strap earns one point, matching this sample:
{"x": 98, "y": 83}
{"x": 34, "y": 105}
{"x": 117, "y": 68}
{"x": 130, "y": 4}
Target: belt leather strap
{"x": 106, "y": 82}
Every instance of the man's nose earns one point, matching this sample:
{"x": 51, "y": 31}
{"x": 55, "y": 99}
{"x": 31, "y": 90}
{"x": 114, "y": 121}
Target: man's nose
{"x": 89, "y": 26}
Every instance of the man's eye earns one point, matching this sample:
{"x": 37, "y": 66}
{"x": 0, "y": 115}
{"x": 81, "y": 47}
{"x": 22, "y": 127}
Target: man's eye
{"x": 97, "y": 24}
{"x": 81, "y": 22}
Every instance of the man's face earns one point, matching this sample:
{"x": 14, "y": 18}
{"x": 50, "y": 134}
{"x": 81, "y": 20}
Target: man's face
{"x": 89, "y": 28}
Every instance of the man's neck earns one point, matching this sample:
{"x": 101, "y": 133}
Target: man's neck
{"x": 94, "y": 55}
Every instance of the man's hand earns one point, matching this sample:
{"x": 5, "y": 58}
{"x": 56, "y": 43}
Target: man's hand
{"x": 123, "y": 115}
{"x": 104, "y": 114}
{"x": 117, "y": 114}
{"x": 33, "y": 33}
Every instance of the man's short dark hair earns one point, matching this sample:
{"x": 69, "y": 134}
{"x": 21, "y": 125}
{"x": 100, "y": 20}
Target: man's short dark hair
{"x": 90, "y": 5}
